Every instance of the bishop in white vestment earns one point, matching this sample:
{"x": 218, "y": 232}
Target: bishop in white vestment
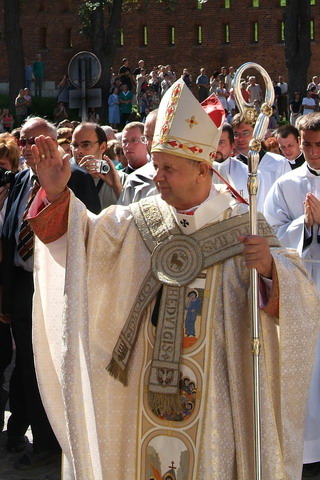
{"x": 179, "y": 398}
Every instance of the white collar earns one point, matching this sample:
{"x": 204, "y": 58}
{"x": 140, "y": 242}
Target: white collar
{"x": 209, "y": 211}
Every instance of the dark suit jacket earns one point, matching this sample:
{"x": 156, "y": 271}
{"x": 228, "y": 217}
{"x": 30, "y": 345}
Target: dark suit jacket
{"x": 83, "y": 186}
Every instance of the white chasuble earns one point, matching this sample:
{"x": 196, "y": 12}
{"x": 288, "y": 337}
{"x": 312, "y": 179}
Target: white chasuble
{"x": 108, "y": 431}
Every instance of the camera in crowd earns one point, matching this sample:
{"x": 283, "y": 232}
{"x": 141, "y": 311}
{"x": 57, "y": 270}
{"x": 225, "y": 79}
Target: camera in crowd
{"x": 6, "y": 176}
{"x": 103, "y": 167}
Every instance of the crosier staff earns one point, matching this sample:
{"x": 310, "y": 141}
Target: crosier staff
{"x": 260, "y": 127}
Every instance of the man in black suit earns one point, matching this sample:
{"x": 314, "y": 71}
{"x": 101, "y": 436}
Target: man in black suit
{"x": 25, "y": 402}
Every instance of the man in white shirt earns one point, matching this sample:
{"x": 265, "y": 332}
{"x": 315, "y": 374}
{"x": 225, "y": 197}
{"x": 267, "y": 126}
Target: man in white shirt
{"x": 271, "y": 165}
{"x": 254, "y": 90}
{"x": 230, "y": 168}
{"x": 308, "y": 103}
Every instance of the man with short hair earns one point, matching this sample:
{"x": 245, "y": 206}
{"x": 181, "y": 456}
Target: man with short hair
{"x": 271, "y": 166}
{"x": 88, "y": 146}
{"x": 254, "y": 90}
{"x": 308, "y": 103}
{"x": 288, "y": 140}
{"x": 222, "y": 74}
{"x": 125, "y": 74}
{"x": 137, "y": 71}
{"x": 292, "y": 208}
{"x": 230, "y": 168}
{"x": 226, "y": 144}
{"x": 128, "y": 308}
{"x": 25, "y": 401}
{"x": 314, "y": 83}
{"x": 139, "y": 184}
{"x": 229, "y": 78}
{"x": 203, "y": 83}
{"x": 18, "y": 288}
{"x": 110, "y": 132}
{"x": 134, "y": 148}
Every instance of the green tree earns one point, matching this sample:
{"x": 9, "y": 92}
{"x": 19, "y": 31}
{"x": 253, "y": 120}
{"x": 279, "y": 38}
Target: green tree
{"x": 14, "y": 47}
{"x": 297, "y": 44}
{"x": 105, "y": 39}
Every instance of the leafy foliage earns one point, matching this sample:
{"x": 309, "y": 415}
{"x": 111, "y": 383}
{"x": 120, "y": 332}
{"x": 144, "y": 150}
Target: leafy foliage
{"x": 85, "y": 13}
{"x": 87, "y": 9}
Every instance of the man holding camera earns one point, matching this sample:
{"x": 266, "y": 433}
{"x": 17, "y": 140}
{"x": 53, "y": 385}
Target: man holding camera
{"x": 88, "y": 145}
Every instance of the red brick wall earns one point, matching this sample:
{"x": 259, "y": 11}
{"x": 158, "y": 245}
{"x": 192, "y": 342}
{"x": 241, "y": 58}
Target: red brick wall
{"x": 60, "y": 16}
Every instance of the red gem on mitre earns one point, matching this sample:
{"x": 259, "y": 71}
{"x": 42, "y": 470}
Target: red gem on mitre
{"x": 176, "y": 90}
{"x": 214, "y": 109}
{"x": 193, "y": 149}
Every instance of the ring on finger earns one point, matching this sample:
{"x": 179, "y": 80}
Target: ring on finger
{"x": 42, "y": 156}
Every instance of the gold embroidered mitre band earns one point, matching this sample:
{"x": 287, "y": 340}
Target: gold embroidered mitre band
{"x": 186, "y": 128}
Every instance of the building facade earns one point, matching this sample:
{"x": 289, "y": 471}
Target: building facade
{"x": 183, "y": 33}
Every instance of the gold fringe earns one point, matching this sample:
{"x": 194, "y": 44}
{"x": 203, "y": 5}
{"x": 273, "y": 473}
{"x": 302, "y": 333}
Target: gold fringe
{"x": 117, "y": 373}
{"x": 165, "y": 403}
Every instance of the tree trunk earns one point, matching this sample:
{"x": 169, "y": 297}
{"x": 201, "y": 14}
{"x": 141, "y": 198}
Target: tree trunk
{"x": 13, "y": 39}
{"x": 297, "y": 44}
{"x": 105, "y": 43}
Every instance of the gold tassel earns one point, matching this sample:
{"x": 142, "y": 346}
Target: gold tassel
{"x": 117, "y": 373}
{"x": 165, "y": 403}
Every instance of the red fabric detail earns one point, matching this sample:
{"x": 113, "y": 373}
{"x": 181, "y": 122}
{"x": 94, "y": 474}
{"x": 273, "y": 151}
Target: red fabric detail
{"x": 51, "y": 223}
{"x": 187, "y": 213}
{"x": 214, "y": 109}
{"x": 193, "y": 149}
{"x": 230, "y": 188}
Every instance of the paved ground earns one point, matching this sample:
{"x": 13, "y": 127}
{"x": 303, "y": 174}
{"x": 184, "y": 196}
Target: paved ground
{"x": 7, "y": 460}
{"x": 9, "y": 472}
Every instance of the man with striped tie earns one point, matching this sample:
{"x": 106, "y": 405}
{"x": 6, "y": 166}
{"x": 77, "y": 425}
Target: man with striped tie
{"x": 25, "y": 401}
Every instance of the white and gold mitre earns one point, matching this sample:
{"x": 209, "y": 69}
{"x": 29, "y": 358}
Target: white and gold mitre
{"x": 185, "y": 127}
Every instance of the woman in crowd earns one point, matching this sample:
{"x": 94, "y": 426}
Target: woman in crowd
{"x": 114, "y": 110}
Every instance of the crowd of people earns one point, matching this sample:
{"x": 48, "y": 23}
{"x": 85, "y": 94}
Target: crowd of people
{"x": 134, "y": 92}
{"x": 193, "y": 152}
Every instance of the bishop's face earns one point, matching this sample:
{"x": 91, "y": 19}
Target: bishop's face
{"x": 310, "y": 146}
{"x": 181, "y": 183}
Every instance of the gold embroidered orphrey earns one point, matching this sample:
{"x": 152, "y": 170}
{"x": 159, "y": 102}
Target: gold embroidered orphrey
{"x": 176, "y": 260}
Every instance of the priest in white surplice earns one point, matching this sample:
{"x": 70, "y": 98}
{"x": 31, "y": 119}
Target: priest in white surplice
{"x": 293, "y": 209}
{"x": 230, "y": 168}
{"x": 157, "y": 292}
{"x": 235, "y": 171}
